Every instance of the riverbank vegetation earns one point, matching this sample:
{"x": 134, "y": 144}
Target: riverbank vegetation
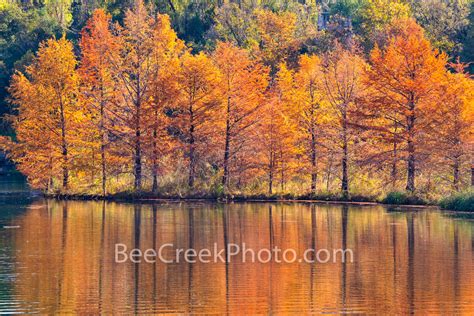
{"x": 459, "y": 202}
{"x": 275, "y": 102}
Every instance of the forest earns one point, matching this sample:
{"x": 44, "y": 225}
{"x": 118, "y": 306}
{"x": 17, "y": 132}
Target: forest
{"x": 252, "y": 97}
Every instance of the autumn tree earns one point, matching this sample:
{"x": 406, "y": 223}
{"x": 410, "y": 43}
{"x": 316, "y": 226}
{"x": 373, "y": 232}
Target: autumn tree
{"x": 277, "y": 37}
{"x": 302, "y": 94}
{"x": 342, "y": 86}
{"x": 98, "y": 88}
{"x": 135, "y": 68}
{"x": 164, "y": 92}
{"x": 375, "y": 16}
{"x": 383, "y": 134}
{"x": 455, "y": 121}
{"x": 48, "y": 114}
{"x": 404, "y": 77}
{"x": 199, "y": 81}
{"x": 243, "y": 85}
{"x": 276, "y": 140}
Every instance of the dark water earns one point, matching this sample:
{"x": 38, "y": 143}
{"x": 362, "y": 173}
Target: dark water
{"x": 60, "y": 259}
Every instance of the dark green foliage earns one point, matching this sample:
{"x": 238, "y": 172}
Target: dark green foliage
{"x": 459, "y": 202}
{"x": 467, "y": 54}
{"x": 193, "y": 23}
{"x": 403, "y": 198}
{"x": 445, "y": 22}
{"x": 21, "y": 31}
{"x": 346, "y": 8}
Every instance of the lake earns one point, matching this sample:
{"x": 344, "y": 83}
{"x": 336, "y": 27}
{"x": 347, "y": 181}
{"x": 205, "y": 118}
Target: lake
{"x": 59, "y": 257}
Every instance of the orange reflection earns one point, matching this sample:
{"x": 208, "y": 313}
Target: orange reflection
{"x": 403, "y": 262}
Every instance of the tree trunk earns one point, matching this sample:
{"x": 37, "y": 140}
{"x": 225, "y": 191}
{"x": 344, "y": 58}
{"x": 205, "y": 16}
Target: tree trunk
{"x": 270, "y": 183}
{"x": 410, "y": 168}
{"x": 314, "y": 163}
{"x": 314, "y": 157}
{"x": 225, "y": 177}
{"x": 345, "y": 178}
{"x": 102, "y": 150}
{"x": 138, "y": 149}
{"x": 394, "y": 172}
{"x": 50, "y": 179}
{"x": 472, "y": 175}
{"x": 104, "y": 171}
{"x": 282, "y": 172}
{"x": 192, "y": 168}
{"x": 329, "y": 172}
{"x": 154, "y": 188}
{"x": 64, "y": 147}
{"x": 170, "y": 2}
{"x": 456, "y": 174}
{"x": 138, "y": 160}
{"x": 192, "y": 162}
{"x": 270, "y": 173}
{"x": 411, "y": 155}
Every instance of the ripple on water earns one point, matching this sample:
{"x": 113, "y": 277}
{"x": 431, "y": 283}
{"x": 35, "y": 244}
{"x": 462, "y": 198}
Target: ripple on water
{"x": 60, "y": 260}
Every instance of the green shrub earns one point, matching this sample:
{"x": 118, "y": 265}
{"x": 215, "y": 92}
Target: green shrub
{"x": 395, "y": 197}
{"x": 217, "y": 190}
{"x": 402, "y": 198}
{"x": 459, "y": 202}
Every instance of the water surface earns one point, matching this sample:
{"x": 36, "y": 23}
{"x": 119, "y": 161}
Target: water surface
{"x": 60, "y": 259}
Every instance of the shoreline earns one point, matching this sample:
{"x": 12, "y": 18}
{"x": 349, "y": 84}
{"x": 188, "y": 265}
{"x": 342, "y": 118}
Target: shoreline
{"x": 147, "y": 198}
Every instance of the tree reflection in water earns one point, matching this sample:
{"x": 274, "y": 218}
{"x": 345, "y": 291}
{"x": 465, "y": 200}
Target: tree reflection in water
{"x": 61, "y": 259}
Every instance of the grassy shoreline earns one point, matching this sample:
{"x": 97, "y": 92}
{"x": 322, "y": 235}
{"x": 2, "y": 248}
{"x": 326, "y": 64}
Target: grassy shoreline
{"x": 461, "y": 202}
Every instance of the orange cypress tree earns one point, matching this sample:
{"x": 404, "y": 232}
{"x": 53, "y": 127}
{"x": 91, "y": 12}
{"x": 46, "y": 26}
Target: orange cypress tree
{"x": 455, "y": 121}
{"x": 198, "y": 80}
{"x": 302, "y": 94}
{"x": 134, "y": 69}
{"x": 48, "y": 115}
{"x": 278, "y": 38}
{"x": 276, "y": 140}
{"x": 404, "y": 77}
{"x": 98, "y": 88}
{"x": 164, "y": 92}
{"x": 342, "y": 86}
{"x": 243, "y": 85}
